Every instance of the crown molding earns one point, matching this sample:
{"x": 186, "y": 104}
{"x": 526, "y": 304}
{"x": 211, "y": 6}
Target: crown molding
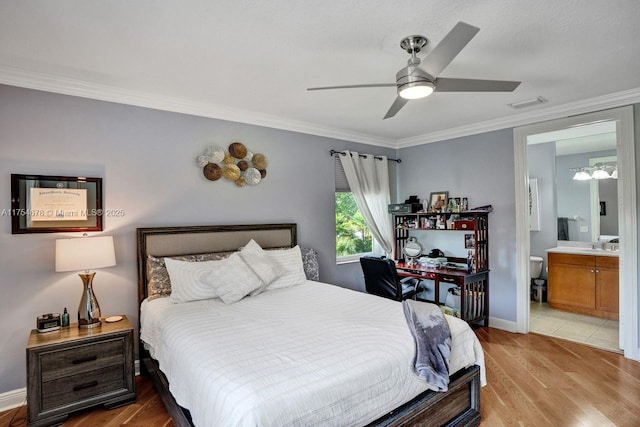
{"x": 614, "y": 100}
{"x": 15, "y": 76}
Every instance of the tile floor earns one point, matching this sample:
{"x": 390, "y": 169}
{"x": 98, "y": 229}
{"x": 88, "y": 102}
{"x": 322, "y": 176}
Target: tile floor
{"x": 594, "y": 331}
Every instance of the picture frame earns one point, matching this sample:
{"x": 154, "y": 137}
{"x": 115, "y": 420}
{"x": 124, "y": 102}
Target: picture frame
{"x": 55, "y": 204}
{"x": 534, "y": 210}
{"x": 438, "y": 201}
{"x": 469, "y": 241}
{"x": 464, "y": 204}
{"x": 454, "y": 204}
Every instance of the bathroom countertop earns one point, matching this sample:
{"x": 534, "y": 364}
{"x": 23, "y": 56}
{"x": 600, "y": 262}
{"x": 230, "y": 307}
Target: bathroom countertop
{"x": 579, "y": 250}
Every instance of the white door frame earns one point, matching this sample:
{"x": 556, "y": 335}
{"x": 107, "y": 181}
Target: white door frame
{"x": 627, "y": 219}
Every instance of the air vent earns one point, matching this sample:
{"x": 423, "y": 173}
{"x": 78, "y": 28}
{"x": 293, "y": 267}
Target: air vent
{"x": 527, "y": 103}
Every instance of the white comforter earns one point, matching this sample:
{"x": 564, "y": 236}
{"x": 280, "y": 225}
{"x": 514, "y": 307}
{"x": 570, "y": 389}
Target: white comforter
{"x": 313, "y": 354}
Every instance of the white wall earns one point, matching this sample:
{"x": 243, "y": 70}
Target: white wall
{"x": 147, "y": 161}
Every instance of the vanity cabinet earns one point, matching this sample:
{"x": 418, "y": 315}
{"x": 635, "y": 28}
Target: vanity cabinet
{"x": 584, "y": 284}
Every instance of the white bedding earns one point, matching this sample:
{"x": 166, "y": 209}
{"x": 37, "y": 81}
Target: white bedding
{"x": 313, "y": 354}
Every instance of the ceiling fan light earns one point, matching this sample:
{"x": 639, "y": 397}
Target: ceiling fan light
{"x": 416, "y": 90}
{"x": 600, "y": 174}
{"x": 581, "y": 176}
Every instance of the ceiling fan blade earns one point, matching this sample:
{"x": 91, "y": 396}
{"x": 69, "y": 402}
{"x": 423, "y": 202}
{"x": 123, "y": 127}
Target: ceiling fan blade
{"x": 354, "y": 86}
{"x": 474, "y": 85}
{"x": 395, "y": 107}
{"x": 448, "y": 48}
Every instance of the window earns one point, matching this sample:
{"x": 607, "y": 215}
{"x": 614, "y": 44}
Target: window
{"x": 353, "y": 238}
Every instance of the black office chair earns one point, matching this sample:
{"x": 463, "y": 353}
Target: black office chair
{"x": 381, "y": 279}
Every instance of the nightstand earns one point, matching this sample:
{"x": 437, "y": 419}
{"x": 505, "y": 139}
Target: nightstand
{"x": 72, "y": 369}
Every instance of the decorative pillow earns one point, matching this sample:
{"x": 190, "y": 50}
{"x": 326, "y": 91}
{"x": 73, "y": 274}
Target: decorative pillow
{"x": 188, "y": 280}
{"x": 259, "y": 262}
{"x": 290, "y": 261}
{"x": 310, "y": 263}
{"x": 232, "y": 279}
{"x": 158, "y": 282}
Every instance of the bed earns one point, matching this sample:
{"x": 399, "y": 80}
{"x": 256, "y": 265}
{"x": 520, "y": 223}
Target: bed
{"x": 318, "y": 354}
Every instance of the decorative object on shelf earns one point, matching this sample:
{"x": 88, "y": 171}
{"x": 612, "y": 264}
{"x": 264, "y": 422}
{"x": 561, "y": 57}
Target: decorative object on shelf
{"x": 239, "y": 165}
{"x": 86, "y": 253}
{"x": 438, "y": 201}
{"x": 469, "y": 241}
{"x": 412, "y": 250}
{"x": 465, "y": 204}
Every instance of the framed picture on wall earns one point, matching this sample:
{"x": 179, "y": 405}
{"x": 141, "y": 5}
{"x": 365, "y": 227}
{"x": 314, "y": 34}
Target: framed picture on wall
{"x": 438, "y": 201}
{"x": 55, "y": 204}
{"x": 534, "y": 210}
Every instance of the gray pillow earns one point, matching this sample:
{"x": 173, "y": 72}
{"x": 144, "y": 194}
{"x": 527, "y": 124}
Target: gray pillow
{"x": 310, "y": 263}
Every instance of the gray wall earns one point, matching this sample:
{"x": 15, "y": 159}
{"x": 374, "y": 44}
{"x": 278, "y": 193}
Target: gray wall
{"x": 147, "y": 161}
{"x": 481, "y": 168}
{"x": 541, "y": 162}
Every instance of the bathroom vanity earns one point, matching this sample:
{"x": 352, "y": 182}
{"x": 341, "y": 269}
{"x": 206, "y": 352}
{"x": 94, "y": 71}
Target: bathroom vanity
{"x": 584, "y": 280}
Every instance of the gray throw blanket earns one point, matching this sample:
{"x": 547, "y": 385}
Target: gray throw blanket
{"x": 433, "y": 342}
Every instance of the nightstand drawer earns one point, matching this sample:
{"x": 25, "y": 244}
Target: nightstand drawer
{"x": 81, "y": 358}
{"x": 82, "y": 386}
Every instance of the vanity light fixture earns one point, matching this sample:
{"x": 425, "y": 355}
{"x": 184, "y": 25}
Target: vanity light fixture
{"x": 597, "y": 171}
{"x": 581, "y": 175}
{"x": 600, "y": 174}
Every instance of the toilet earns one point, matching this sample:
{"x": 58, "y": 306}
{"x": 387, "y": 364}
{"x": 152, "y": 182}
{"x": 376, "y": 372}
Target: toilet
{"x": 535, "y": 268}
{"x": 538, "y": 285}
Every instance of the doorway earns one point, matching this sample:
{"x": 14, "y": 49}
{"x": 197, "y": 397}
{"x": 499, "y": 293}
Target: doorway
{"x": 623, "y": 118}
{"x": 561, "y": 167}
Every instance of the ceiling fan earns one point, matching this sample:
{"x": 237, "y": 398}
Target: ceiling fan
{"x": 414, "y": 82}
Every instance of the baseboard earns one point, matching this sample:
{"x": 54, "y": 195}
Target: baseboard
{"x": 14, "y": 398}
{"x": 505, "y": 325}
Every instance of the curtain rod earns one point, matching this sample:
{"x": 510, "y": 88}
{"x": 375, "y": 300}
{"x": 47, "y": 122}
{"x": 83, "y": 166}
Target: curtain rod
{"x": 334, "y": 152}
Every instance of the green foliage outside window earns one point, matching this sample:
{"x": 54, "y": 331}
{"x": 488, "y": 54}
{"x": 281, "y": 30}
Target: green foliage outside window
{"x": 352, "y": 235}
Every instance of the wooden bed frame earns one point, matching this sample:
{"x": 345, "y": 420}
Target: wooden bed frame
{"x": 460, "y": 406}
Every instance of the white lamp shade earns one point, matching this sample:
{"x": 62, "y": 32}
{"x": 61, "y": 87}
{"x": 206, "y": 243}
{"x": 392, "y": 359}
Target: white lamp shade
{"x": 85, "y": 253}
{"x": 581, "y": 176}
{"x": 600, "y": 174}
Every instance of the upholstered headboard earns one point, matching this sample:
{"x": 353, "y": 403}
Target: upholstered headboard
{"x": 172, "y": 241}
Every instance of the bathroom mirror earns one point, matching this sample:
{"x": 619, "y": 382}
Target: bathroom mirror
{"x": 587, "y": 210}
{"x": 570, "y": 209}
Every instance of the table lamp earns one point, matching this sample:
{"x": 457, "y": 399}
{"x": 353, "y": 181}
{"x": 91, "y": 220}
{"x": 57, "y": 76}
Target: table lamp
{"x": 86, "y": 253}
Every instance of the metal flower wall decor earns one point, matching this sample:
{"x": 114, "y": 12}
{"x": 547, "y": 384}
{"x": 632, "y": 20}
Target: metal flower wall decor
{"x": 238, "y": 165}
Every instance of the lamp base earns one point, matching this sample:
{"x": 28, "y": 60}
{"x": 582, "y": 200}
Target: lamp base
{"x": 88, "y": 310}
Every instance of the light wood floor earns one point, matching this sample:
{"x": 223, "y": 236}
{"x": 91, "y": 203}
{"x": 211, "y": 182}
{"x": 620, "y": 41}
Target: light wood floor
{"x": 533, "y": 380}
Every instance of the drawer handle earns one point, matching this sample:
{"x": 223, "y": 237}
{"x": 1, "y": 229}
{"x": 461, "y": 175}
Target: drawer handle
{"x": 85, "y": 385}
{"x": 85, "y": 359}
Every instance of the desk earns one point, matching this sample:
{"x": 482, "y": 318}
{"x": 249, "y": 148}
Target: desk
{"x": 474, "y": 307}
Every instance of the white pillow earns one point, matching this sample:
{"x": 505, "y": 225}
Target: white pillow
{"x": 260, "y": 263}
{"x": 187, "y": 282}
{"x": 290, "y": 261}
{"x": 232, "y": 279}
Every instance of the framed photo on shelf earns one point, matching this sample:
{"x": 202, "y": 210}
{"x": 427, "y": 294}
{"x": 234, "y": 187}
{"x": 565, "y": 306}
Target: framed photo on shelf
{"x": 438, "y": 201}
{"x": 469, "y": 241}
{"x": 464, "y": 204}
{"x": 453, "y": 204}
